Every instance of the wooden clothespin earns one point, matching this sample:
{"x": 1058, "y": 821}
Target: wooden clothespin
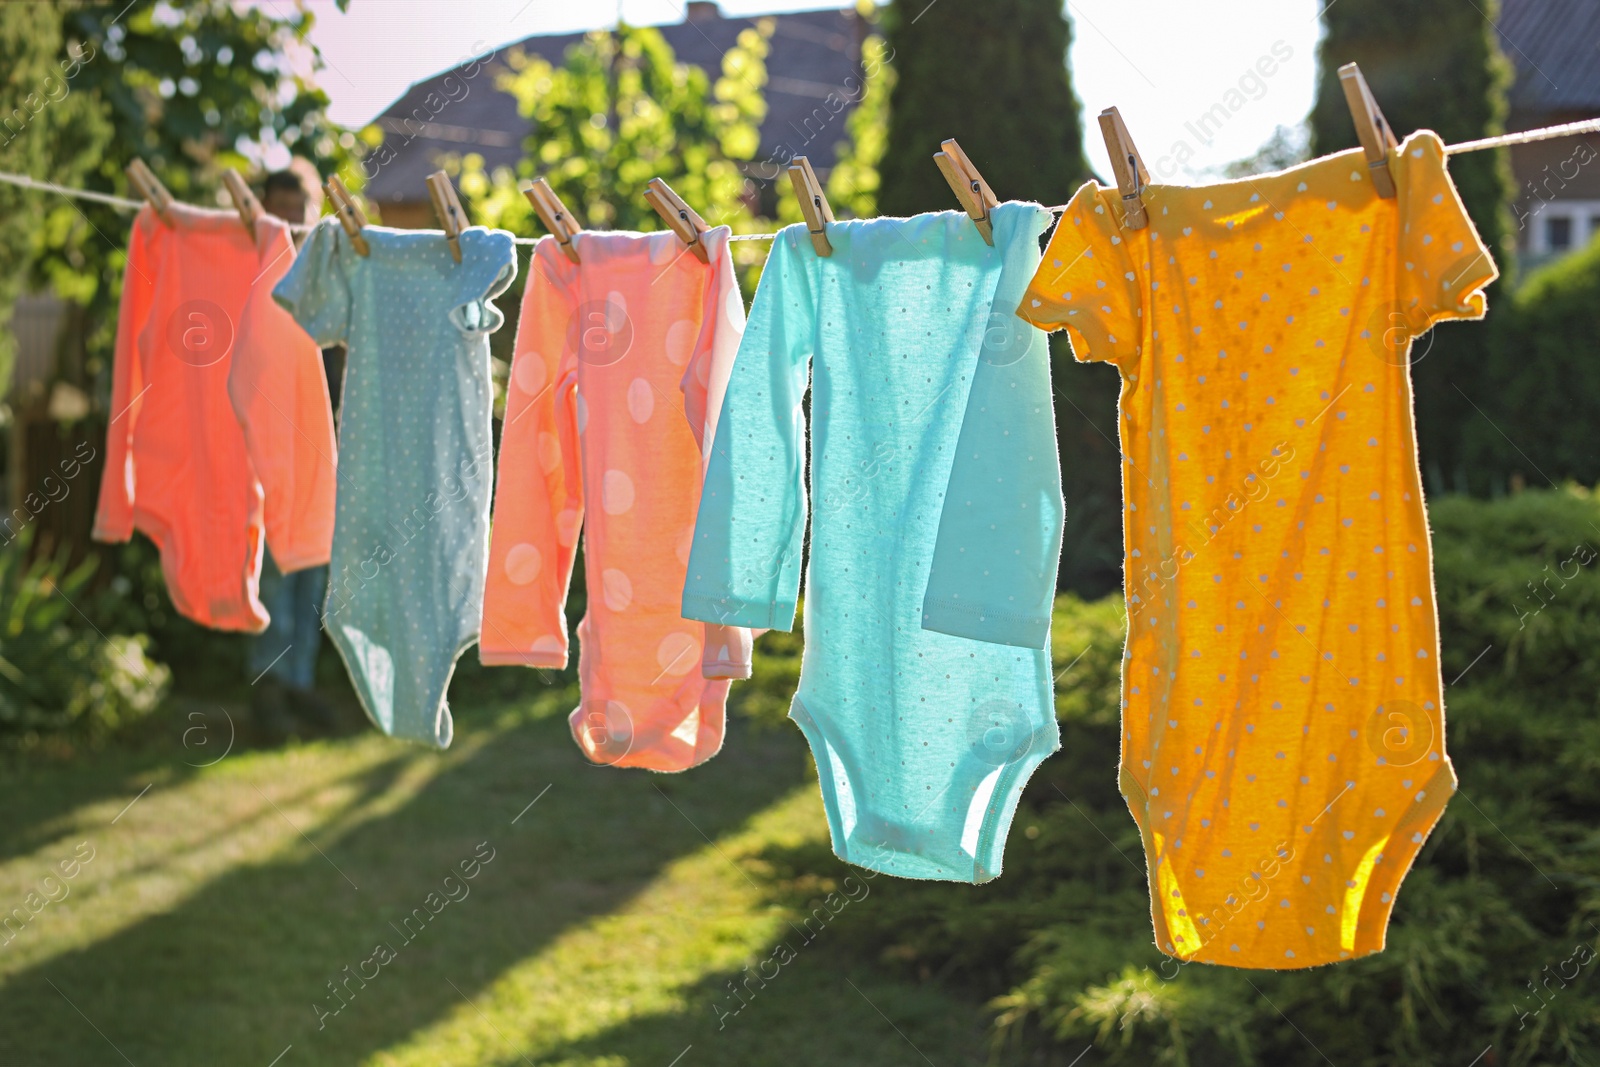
{"x": 1128, "y": 166}
{"x": 244, "y": 200}
{"x": 1373, "y": 129}
{"x": 970, "y": 188}
{"x": 351, "y": 217}
{"x": 813, "y": 203}
{"x": 452, "y": 217}
{"x": 149, "y": 186}
{"x": 553, "y": 213}
{"x": 679, "y": 217}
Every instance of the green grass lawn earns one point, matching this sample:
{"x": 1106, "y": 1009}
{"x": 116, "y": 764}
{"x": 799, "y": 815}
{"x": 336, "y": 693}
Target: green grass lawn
{"x": 607, "y": 928}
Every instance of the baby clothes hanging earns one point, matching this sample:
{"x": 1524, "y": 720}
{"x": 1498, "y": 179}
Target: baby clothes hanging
{"x": 1283, "y": 730}
{"x": 178, "y": 465}
{"x": 923, "y": 741}
{"x": 412, "y": 516}
{"x": 611, "y": 355}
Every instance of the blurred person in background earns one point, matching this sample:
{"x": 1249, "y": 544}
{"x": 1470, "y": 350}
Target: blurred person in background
{"x": 282, "y": 659}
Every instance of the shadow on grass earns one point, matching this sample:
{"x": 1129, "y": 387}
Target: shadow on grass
{"x": 824, "y": 1006}
{"x": 232, "y": 974}
{"x": 41, "y": 795}
{"x": 42, "y": 792}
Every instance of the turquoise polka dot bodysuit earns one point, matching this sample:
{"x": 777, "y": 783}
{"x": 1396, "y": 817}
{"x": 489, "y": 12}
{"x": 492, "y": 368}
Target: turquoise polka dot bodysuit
{"x": 411, "y": 527}
{"x": 923, "y": 739}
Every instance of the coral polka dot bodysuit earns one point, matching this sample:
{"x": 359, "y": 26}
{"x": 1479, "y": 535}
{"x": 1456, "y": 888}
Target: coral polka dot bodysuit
{"x": 621, "y": 364}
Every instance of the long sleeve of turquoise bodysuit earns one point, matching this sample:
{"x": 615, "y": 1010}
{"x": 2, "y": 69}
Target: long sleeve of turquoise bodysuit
{"x": 744, "y": 569}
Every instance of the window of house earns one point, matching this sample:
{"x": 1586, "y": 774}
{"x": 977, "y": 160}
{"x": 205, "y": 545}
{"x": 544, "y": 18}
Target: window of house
{"x": 1558, "y": 233}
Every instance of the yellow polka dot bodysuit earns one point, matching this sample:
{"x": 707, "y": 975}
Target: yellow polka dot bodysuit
{"x": 1283, "y": 727}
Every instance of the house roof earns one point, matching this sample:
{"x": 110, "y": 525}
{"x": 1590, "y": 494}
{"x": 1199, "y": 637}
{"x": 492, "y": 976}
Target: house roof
{"x": 810, "y": 55}
{"x": 1555, "y": 47}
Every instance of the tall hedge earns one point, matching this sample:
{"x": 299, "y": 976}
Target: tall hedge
{"x": 993, "y": 76}
{"x": 1541, "y": 387}
{"x": 1433, "y": 64}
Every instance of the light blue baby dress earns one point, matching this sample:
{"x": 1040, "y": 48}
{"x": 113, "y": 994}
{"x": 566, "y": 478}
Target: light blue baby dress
{"x": 411, "y": 518}
{"x": 923, "y": 740}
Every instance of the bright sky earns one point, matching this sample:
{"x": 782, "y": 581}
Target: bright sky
{"x": 1163, "y": 63}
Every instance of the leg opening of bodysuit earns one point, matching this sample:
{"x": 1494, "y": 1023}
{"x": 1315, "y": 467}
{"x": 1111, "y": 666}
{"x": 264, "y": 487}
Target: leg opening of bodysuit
{"x": 1139, "y": 806}
{"x": 688, "y": 731}
{"x": 371, "y": 668}
{"x": 1364, "y": 919}
{"x": 980, "y": 798}
{"x": 667, "y": 737}
{"x": 838, "y": 797}
{"x": 994, "y": 805}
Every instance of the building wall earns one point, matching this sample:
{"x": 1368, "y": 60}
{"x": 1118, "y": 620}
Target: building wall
{"x": 1557, "y": 208}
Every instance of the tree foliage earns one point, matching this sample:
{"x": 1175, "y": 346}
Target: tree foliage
{"x": 854, "y": 182}
{"x": 49, "y": 128}
{"x": 622, "y": 110}
{"x": 190, "y": 86}
{"x": 993, "y": 76}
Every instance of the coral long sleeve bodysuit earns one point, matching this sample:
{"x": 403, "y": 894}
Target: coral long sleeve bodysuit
{"x": 208, "y": 376}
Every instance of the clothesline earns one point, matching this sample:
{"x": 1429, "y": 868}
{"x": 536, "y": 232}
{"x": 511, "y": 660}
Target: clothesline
{"x": 1505, "y": 140}
{"x": 67, "y": 190}
{"x": 1547, "y": 133}
{"x": 126, "y": 203}
{"x": 129, "y": 204}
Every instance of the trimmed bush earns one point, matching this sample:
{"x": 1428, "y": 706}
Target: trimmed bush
{"x": 1540, "y": 401}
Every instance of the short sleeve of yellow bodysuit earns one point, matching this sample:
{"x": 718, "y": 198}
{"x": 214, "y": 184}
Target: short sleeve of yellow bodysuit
{"x": 1443, "y": 265}
{"x": 1283, "y": 727}
{"x": 1086, "y": 283}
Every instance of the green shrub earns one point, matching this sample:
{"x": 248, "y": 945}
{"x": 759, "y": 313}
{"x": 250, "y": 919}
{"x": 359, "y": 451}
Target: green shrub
{"x": 135, "y": 600}
{"x": 1540, "y": 398}
{"x": 58, "y": 671}
{"x": 1504, "y": 897}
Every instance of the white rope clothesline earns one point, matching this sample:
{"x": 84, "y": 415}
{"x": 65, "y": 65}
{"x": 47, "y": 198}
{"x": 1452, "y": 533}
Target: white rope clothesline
{"x": 1547, "y": 133}
{"x": 122, "y": 202}
{"x": 1505, "y": 140}
{"x": 67, "y": 190}
{"x": 129, "y": 204}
